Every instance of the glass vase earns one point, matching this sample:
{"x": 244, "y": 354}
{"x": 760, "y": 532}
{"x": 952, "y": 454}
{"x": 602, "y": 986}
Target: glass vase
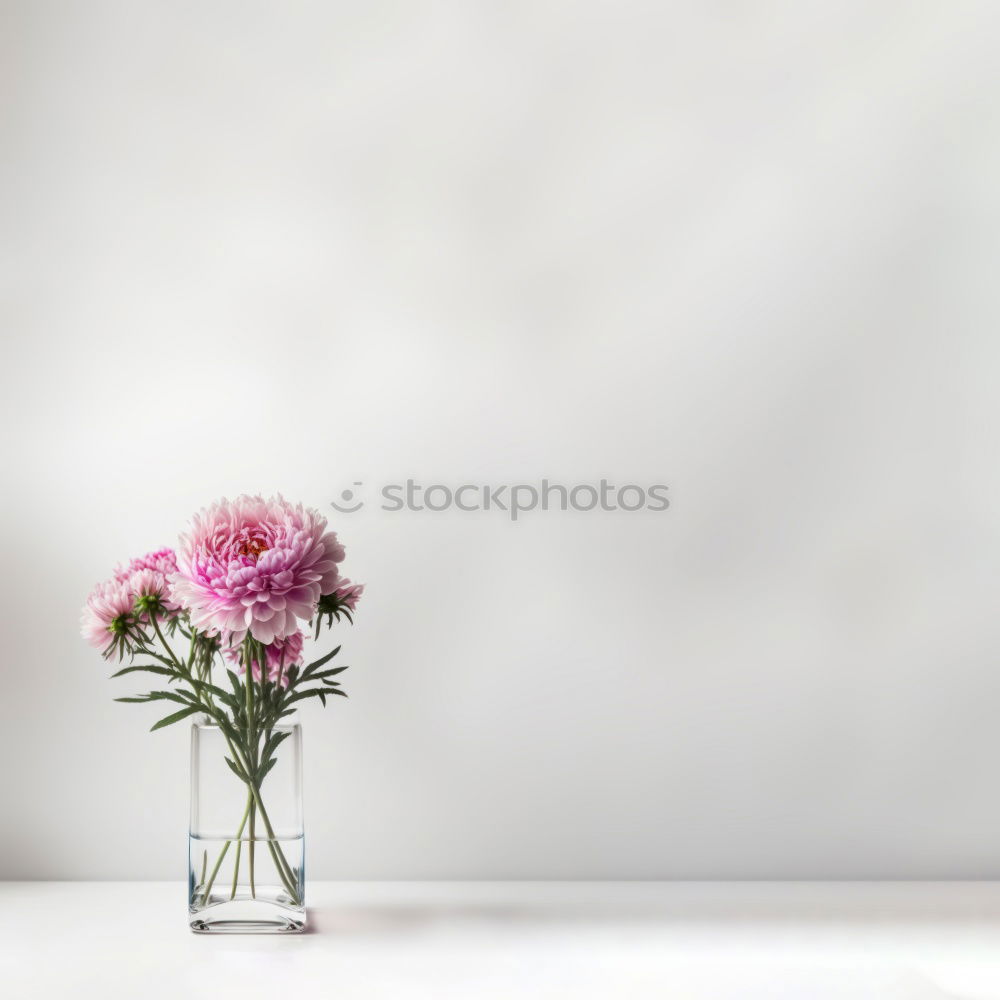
{"x": 246, "y": 852}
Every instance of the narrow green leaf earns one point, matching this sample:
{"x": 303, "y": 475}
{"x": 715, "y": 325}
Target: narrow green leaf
{"x": 230, "y": 701}
{"x": 205, "y": 686}
{"x": 301, "y": 695}
{"x": 316, "y": 664}
{"x": 329, "y": 673}
{"x": 171, "y": 719}
{"x": 148, "y": 667}
{"x": 146, "y": 651}
{"x": 236, "y": 769}
{"x": 273, "y": 742}
{"x": 182, "y": 698}
{"x": 317, "y": 692}
{"x": 227, "y": 727}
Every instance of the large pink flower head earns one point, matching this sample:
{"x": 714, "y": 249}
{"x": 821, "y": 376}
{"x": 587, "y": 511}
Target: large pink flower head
{"x": 280, "y": 656}
{"x": 255, "y": 565}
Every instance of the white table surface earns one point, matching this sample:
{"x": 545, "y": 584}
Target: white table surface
{"x": 396, "y": 940}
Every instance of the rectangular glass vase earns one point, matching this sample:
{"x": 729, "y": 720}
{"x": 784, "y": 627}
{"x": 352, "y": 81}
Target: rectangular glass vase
{"x": 246, "y": 861}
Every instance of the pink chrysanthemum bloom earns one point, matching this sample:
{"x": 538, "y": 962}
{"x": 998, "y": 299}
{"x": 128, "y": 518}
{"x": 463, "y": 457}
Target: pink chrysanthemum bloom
{"x": 348, "y": 593}
{"x": 149, "y": 576}
{"x": 107, "y": 615}
{"x": 343, "y": 601}
{"x": 255, "y": 565}
{"x": 150, "y": 592}
{"x": 280, "y": 656}
{"x": 162, "y": 561}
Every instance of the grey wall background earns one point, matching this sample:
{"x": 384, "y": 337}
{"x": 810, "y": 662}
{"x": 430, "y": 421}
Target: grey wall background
{"x": 747, "y": 249}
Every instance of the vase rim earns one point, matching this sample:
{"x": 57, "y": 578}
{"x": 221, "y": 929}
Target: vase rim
{"x": 205, "y": 722}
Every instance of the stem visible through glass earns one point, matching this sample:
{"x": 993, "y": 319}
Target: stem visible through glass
{"x": 253, "y": 754}
{"x": 222, "y": 854}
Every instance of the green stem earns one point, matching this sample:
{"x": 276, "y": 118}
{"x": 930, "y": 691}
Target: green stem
{"x": 251, "y": 846}
{"x": 162, "y": 638}
{"x": 252, "y": 752}
{"x": 222, "y": 854}
{"x": 284, "y": 869}
{"x": 239, "y": 850}
{"x": 236, "y": 868}
{"x": 184, "y": 670}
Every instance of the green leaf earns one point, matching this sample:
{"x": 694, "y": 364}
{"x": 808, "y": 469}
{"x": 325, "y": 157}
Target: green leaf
{"x": 182, "y": 698}
{"x": 146, "y": 651}
{"x": 273, "y": 742}
{"x": 316, "y": 664}
{"x": 227, "y": 727}
{"x": 230, "y": 701}
{"x": 141, "y": 700}
{"x": 208, "y": 686}
{"x": 148, "y": 667}
{"x": 262, "y": 772}
{"x": 318, "y": 692}
{"x": 301, "y": 695}
{"x": 328, "y": 673}
{"x": 236, "y": 769}
{"x": 176, "y": 717}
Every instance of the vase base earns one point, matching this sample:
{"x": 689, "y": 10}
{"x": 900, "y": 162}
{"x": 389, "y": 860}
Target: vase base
{"x": 248, "y": 916}
{"x": 201, "y": 925}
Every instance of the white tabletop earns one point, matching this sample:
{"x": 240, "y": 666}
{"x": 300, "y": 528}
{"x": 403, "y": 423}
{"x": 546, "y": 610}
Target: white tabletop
{"x": 484, "y": 940}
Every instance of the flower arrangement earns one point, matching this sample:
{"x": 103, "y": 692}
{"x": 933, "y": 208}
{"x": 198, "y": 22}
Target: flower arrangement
{"x": 221, "y": 621}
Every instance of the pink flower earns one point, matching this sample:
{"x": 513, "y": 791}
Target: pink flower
{"x": 347, "y": 593}
{"x": 163, "y": 561}
{"x": 280, "y": 656}
{"x": 149, "y": 576}
{"x": 255, "y": 565}
{"x": 150, "y": 593}
{"x": 343, "y": 601}
{"x": 107, "y": 615}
